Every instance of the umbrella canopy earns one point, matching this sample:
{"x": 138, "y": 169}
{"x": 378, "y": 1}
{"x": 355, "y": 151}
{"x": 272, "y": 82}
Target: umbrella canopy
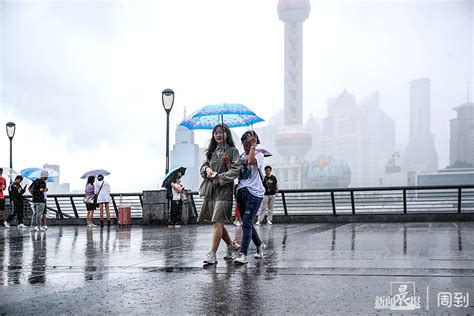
{"x": 265, "y": 152}
{"x": 95, "y": 173}
{"x": 231, "y": 114}
{"x": 35, "y": 173}
{"x": 170, "y": 175}
{"x": 8, "y": 172}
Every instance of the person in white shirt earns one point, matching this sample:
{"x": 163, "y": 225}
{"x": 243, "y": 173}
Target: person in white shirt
{"x": 102, "y": 189}
{"x": 250, "y": 191}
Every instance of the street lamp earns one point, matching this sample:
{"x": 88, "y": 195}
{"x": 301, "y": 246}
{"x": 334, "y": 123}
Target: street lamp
{"x": 167, "y": 98}
{"x": 11, "y": 127}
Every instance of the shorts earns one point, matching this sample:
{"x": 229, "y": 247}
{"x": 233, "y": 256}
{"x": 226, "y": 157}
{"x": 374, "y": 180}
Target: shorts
{"x": 91, "y": 206}
{"x": 2, "y": 204}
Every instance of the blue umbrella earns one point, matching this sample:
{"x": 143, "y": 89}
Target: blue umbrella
{"x": 34, "y": 173}
{"x": 232, "y": 114}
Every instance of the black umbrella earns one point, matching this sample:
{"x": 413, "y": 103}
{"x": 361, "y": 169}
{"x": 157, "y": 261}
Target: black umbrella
{"x": 172, "y": 174}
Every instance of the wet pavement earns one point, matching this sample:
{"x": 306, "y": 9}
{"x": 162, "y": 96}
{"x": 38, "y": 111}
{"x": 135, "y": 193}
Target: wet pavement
{"x": 329, "y": 269}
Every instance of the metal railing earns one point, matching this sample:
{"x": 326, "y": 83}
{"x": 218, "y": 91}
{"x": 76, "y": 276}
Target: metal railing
{"x": 373, "y": 200}
{"x": 72, "y": 205}
{"x": 336, "y": 201}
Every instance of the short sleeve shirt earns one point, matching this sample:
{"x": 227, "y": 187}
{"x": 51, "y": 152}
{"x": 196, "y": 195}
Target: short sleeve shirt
{"x": 250, "y": 176}
{"x": 270, "y": 184}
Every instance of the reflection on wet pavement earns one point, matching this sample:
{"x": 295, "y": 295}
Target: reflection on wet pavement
{"x": 308, "y": 268}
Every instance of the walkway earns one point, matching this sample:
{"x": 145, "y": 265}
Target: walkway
{"x": 325, "y": 269}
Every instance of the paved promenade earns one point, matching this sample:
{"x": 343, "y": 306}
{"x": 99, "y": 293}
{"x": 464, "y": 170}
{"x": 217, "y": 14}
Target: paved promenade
{"x": 330, "y": 269}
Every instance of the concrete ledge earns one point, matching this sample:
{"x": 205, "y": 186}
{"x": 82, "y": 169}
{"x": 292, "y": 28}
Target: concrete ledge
{"x": 349, "y": 218}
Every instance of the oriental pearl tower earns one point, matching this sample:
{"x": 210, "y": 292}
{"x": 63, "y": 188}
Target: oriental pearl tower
{"x": 293, "y": 140}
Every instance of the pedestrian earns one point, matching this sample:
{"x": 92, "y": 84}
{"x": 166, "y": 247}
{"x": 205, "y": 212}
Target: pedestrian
{"x": 37, "y": 190}
{"x": 271, "y": 190}
{"x": 250, "y": 192}
{"x": 238, "y": 218}
{"x": 178, "y": 196}
{"x": 3, "y": 186}
{"x": 102, "y": 190}
{"x": 16, "y": 196}
{"x": 221, "y": 167}
{"x": 89, "y": 201}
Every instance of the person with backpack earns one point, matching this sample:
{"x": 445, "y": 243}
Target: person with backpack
{"x": 16, "y": 196}
{"x": 37, "y": 189}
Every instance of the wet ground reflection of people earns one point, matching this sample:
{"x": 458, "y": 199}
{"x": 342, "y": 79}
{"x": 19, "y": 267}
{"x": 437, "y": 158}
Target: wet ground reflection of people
{"x": 459, "y": 237}
{"x": 91, "y": 254}
{"x": 38, "y": 269}
{"x": 353, "y": 237}
{"x": 2, "y": 256}
{"x": 15, "y": 264}
{"x": 218, "y": 294}
{"x": 96, "y": 252}
{"x": 333, "y": 241}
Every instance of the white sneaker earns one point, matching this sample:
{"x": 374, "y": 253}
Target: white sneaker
{"x": 42, "y": 228}
{"x": 231, "y": 250}
{"x": 6, "y": 224}
{"x": 210, "y": 258}
{"x": 237, "y": 223}
{"x": 257, "y": 223}
{"x": 45, "y": 227}
{"x": 260, "y": 251}
{"x": 34, "y": 229}
{"x": 269, "y": 223}
{"x": 21, "y": 226}
{"x": 241, "y": 259}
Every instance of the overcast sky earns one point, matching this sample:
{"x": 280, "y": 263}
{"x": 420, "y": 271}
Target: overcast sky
{"x": 83, "y": 79}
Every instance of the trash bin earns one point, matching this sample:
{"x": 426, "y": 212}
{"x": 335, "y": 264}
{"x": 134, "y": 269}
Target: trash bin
{"x": 125, "y": 215}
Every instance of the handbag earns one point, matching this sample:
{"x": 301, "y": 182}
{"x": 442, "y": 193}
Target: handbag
{"x": 89, "y": 199}
{"x": 206, "y": 188}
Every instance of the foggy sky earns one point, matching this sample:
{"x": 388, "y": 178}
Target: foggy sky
{"x": 87, "y": 76}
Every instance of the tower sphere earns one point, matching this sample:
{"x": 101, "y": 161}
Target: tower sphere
{"x": 293, "y": 10}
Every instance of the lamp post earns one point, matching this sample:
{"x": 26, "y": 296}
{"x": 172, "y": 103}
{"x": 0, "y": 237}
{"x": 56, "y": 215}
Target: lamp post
{"x": 167, "y": 98}
{"x": 11, "y": 127}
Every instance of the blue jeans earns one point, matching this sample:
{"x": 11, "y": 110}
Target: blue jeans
{"x": 248, "y": 206}
{"x": 38, "y": 210}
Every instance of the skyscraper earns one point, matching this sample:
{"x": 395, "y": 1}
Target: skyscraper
{"x": 293, "y": 140}
{"x": 186, "y": 154}
{"x": 361, "y": 134}
{"x": 420, "y": 154}
{"x": 462, "y": 135}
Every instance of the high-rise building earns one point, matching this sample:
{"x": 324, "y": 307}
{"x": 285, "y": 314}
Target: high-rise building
{"x": 56, "y": 187}
{"x": 360, "y": 134}
{"x": 462, "y": 136}
{"x": 186, "y": 154}
{"x": 420, "y": 154}
{"x": 293, "y": 140}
